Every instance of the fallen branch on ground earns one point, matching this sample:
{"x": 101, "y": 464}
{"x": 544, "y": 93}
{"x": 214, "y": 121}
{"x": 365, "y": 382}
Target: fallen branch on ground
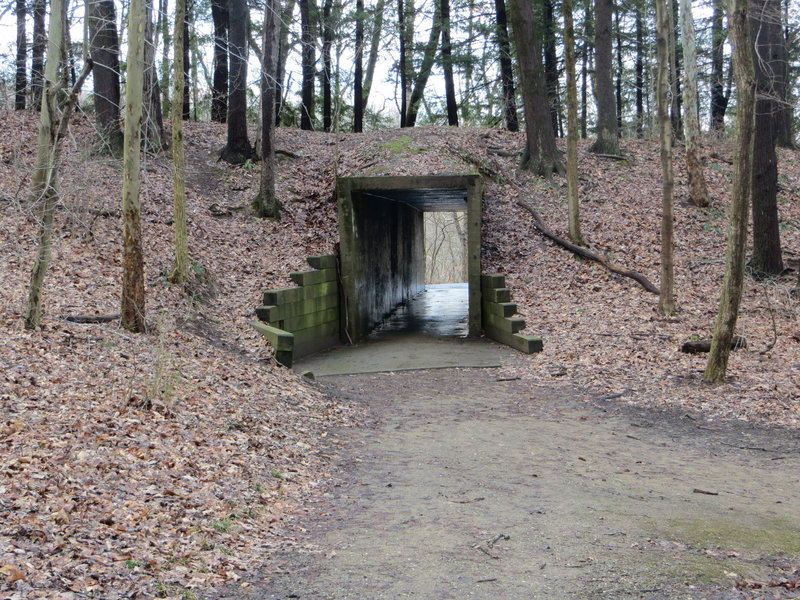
{"x": 696, "y": 347}
{"x": 585, "y": 253}
{"x": 91, "y": 318}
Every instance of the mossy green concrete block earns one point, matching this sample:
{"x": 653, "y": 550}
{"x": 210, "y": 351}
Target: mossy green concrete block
{"x": 327, "y": 261}
{"x": 501, "y": 309}
{"x": 314, "y": 339}
{"x": 529, "y": 343}
{"x": 497, "y": 295}
{"x": 316, "y": 344}
{"x": 492, "y": 281}
{"x": 304, "y": 278}
{"x": 278, "y": 338}
{"x": 296, "y": 294}
{"x": 273, "y": 314}
{"x": 510, "y": 325}
{"x": 309, "y": 320}
{"x": 524, "y": 343}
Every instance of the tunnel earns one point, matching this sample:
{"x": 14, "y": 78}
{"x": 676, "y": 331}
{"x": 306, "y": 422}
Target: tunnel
{"x": 382, "y": 244}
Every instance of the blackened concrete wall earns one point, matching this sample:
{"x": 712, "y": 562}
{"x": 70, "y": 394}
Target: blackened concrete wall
{"x": 387, "y": 261}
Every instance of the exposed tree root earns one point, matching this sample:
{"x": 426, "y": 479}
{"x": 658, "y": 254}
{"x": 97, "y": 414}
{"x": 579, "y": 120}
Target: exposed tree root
{"x": 585, "y": 253}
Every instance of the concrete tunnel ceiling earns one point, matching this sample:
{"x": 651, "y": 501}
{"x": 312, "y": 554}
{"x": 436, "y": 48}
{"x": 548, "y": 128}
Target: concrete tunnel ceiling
{"x": 425, "y": 199}
{"x": 381, "y": 234}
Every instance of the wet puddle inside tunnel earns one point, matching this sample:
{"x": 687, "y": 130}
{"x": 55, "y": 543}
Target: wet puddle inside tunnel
{"x": 440, "y": 310}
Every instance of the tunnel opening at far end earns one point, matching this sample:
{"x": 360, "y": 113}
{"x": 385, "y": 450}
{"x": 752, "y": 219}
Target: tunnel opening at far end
{"x": 387, "y": 258}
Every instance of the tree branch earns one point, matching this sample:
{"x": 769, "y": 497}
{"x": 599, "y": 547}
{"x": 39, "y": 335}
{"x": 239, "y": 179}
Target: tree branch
{"x": 585, "y": 253}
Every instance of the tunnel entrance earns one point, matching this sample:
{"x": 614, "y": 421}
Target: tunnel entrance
{"x": 401, "y": 234}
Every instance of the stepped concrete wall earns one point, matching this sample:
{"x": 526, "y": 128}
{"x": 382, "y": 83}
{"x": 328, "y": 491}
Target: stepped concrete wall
{"x": 499, "y": 322}
{"x": 305, "y": 319}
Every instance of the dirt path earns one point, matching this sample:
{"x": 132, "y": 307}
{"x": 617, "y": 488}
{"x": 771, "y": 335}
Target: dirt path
{"x": 465, "y": 486}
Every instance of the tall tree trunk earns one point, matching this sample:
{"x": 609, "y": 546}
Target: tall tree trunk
{"x": 785, "y": 118}
{"x": 133, "y": 297}
{"x": 620, "y": 71}
{"x": 266, "y": 202}
{"x": 153, "y": 117}
{"x": 405, "y": 21}
{"x": 237, "y": 149}
{"x": 767, "y": 39}
{"x": 541, "y": 155}
{"x": 506, "y": 67}
{"x": 37, "y": 52}
{"x": 666, "y": 298}
{"x": 187, "y": 63}
{"x": 607, "y": 133}
{"x": 56, "y": 110}
{"x": 21, "y": 79}
{"x": 468, "y": 70}
{"x": 719, "y": 100}
{"x": 309, "y": 60}
{"x": 104, "y": 47}
{"x": 675, "y": 75}
{"x": 586, "y": 65}
{"x": 732, "y": 283}
{"x": 573, "y": 191}
{"x": 327, "y": 66}
{"x": 196, "y": 64}
{"x": 375, "y": 43}
{"x": 219, "y": 92}
{"x": 551, "y": 63}
{"x": 283, "y": 53}
{"x": 698, "y": 192}
{"x": 640, "y": 51}
{"x": 162, "y": 25}
{"x": 358, "y": 72}
{"x": 447, "y": 66}
{"x": 425, "y": 68}
{"x": 180, "y": 263}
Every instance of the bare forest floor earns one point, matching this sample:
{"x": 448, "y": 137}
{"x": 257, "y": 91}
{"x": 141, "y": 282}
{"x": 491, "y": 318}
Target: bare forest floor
{"x": 166, "y": 464}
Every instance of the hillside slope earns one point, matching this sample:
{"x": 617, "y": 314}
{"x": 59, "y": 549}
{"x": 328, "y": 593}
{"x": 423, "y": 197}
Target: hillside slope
{"x": 167, "y": 463}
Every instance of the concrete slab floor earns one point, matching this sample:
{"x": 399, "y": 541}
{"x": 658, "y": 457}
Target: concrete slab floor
{"x": 429, "y": 332}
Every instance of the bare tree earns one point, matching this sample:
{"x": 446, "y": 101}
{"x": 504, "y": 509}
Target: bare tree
{"x": 104, "y": 46}
{"x": 180, "y": 263}
{"x": 732, "y": 283}
{"x": 219, "y": 89}
{"x": 425, "y": 69}
{"x": 56, "y": 110}
{"x": 666, "y": 298}
{"x": 237, "y": 148}
{"x": 266, "y": 202}
{"x": 308, "y": 11}
{"x": 541, "y": 155}
{"x": 37, "y": 52}
{"x": 21, "y": 78}
{"x": 719, "y": 99}
{"x": 607, "y": 134}
{"x": 506, "y": 67}
{"x": 698, "y": 192}
{"x": 447, "y": 65}
{"x": 133, "y": 296}
{"x": 573, "y": 190}
{"x": 770, "y": 66}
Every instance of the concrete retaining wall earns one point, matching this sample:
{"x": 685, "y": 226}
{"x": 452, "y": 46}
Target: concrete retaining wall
{"x": 304, "y": 319}
{"x": 499, "y": 322}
